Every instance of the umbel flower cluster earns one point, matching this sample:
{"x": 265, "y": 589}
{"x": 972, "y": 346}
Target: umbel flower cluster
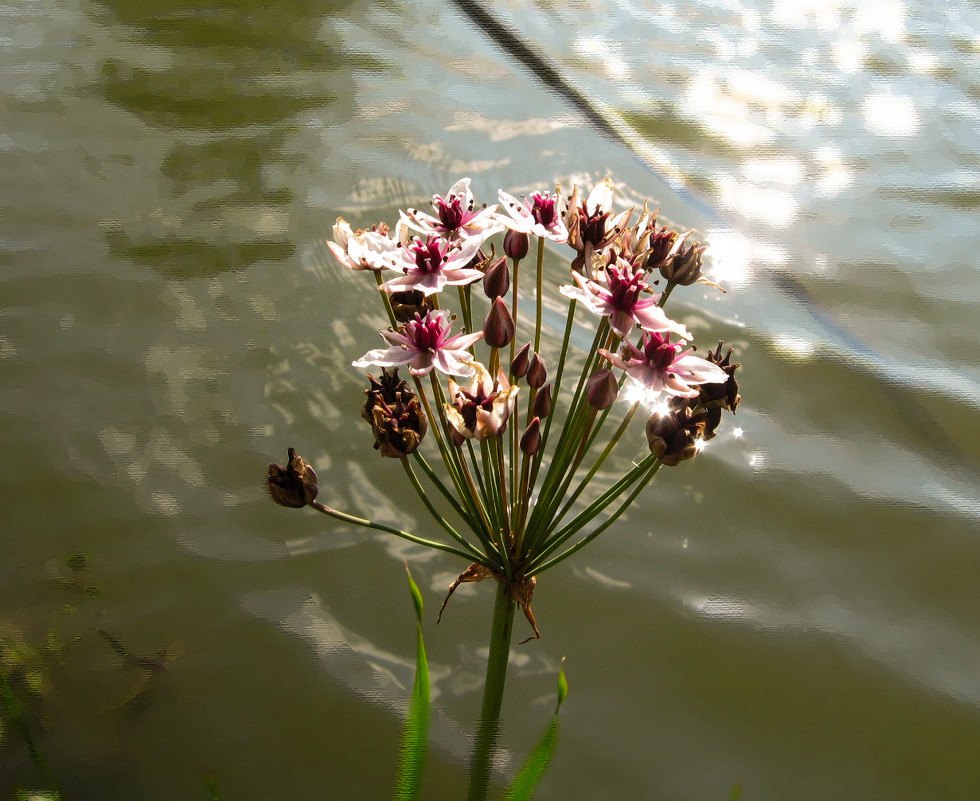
{"x": 520, "y": 434}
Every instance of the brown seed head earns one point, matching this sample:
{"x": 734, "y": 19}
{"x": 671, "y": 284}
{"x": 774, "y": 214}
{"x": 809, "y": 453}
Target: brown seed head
{"x": 294, "y": 485}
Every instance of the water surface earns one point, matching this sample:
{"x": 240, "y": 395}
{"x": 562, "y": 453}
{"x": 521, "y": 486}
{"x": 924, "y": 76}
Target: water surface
{"x": 795, "y": 611}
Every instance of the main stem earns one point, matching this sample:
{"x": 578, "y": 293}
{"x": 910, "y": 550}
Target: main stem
{"x": 481, "y": 765}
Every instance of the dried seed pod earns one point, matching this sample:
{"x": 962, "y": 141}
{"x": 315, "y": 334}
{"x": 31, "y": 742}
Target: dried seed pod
{"x": 405, "y": 305}
{"x": 673, "y": 437}
{"x": 395, "y": 415}
{"x": 685, "y": 266}
{"x": 294, "y": 485}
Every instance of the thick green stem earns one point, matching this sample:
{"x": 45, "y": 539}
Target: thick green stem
{"x": 481, "y": 764}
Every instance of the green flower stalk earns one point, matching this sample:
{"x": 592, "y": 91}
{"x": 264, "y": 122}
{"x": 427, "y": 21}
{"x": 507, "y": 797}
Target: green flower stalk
{"x": 517, "y": 449}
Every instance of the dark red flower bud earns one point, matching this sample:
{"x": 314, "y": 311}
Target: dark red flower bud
{"x": 496, "y": 280}
{"x": 602, "y": 389}
{"x": 294, "y": 485}
{"x": 516, "y": 244}
{"x": 541, "y": 405}
{"x": 537, "y": 373}
{"x": 518, "y": 367}
{"x": 498, "y": 330}
{"x": 531, "y": 438}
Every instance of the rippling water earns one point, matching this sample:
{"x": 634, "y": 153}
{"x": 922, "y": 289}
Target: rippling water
{"x": 796, "y": 612}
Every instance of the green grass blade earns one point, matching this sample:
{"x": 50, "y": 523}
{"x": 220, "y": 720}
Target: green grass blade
{"x": 562, "y": 685}
{"x": 415, "y": 735}
{"x": 534, "y": 768}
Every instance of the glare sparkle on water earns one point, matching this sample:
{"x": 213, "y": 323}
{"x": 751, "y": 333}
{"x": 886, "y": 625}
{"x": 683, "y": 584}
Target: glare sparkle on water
{"x": 887, "y": 114}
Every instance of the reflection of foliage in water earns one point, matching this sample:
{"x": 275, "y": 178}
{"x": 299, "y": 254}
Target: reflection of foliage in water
{"x": 39, "y": 661}
{"x": 237, "y": 73}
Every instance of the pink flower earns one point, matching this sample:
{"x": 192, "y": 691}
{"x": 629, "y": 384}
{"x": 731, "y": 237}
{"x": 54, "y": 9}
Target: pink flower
{"x": 660, "y": 365}
{"x": 432, "y": 265}
{"x": 423, "y": 344}
{"x": 539, "y": 215}
{"x": 360, "y": 250}
{"x": 456, "y": 216}
{"x": 625, "y": 298}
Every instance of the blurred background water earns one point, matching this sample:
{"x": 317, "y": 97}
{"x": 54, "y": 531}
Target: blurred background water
{"x": 795, "y": 612}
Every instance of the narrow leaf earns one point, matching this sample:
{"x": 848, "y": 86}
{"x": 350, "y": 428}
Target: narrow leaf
{"x": 562, "y": 685}
{"x": 534, "y": 768}
{"x": 415, "y": 735}
{"x": 416, "y": 598}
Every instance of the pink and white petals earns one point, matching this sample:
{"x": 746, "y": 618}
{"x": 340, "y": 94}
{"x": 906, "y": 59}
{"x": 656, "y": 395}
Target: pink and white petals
{"x": 432, "y": 265}
{"x": 538, "y": 215}
{"x": 360, "y": 250}
{"x": 659, "y": 365}
{"x": 456, "y": 216}
{"x": 622, "y": 295}
{"x": 424, "y": 344}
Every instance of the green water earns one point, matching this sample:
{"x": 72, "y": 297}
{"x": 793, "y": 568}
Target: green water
{"x": 796, "y": 611}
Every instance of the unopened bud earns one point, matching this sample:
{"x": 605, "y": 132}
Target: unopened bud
{"x": 541, "y": 405}
{"x": 602, "y": 389}
{"x": 537, "y": 373}
{"x": 294, "y": 485}
{"x": 531, "y": 438}
{"x": 496, "y": 280}
{"x": 498, "y": 330}
{"x": 516, "y": 244}
{"x": 518, "y": 367}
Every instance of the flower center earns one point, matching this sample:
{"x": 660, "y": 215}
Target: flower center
{"x": 427, "y": 333}
{"x": 451, "y": 213}
{"x": 544, "y": 210}
{"x": 429, "y": 257}
{"x": 659, "y": 352}
{"x": 625, "y": 288}
{"x": 592, "y": 227}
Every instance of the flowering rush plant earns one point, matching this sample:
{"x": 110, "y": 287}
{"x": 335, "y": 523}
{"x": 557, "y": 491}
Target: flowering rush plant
{"x": 519, "y": 433}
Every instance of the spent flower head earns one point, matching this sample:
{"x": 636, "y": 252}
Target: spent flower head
{"x": 481, "y": 411}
